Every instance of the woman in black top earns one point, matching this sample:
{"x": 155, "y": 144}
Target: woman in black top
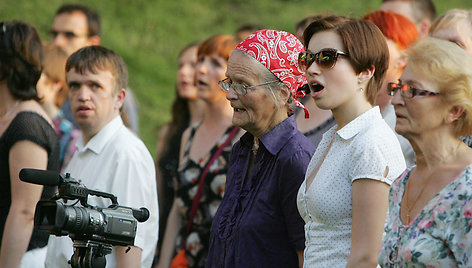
{"x": 27, "y": 140}
{"x": 187, "y": 110}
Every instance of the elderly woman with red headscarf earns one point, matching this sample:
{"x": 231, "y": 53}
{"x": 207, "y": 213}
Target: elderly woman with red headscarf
{"x": 257, "y": 223}
{"x": 400, "y": 33}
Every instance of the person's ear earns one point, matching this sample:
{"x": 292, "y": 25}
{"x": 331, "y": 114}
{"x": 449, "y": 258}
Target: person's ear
{"x": 364, "y": 76}
{"x": 454, "y": 113}
{"x": 284, "y": 94}
{"x": 120, "y": 98}
{"x": 94, "y": 40}
{"x": 423, "y": 27}
{"x": 57, "y": 86}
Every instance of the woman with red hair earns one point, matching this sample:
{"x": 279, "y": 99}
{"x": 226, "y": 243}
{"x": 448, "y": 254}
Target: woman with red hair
{"x": 200, "y": 154}
{"x": 400, "y": 33}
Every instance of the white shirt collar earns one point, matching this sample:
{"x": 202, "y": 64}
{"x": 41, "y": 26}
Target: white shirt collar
{"x": 99, "y": 140}
{"x": 359, "y": 123}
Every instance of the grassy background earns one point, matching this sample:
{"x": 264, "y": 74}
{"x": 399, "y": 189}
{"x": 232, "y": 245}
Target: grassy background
{"x": 149, "y": 34}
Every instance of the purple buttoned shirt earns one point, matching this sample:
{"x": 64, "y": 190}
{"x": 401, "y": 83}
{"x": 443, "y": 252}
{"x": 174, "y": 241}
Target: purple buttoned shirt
{"x": 257, "y": 223}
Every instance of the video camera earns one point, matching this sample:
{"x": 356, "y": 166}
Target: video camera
{"x": 94, "y": 230}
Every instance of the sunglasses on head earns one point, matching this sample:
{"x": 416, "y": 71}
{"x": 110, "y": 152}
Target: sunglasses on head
{"x": 408, "y": 91}
{"x": 325, "y": 58}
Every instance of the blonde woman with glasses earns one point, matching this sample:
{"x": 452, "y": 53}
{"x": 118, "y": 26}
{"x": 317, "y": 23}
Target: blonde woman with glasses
{"x": 430, "y": 219}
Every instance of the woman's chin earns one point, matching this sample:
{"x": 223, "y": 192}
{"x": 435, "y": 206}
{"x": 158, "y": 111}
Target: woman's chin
{"x": 322, "y": 104}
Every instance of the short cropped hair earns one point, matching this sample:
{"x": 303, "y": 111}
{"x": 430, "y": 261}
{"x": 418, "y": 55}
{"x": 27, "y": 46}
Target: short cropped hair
{"x": 364, "y": 43}
{"x": 221, "y": 45}
{"x": 451, "y": 18}
{"x": 98, "y": 58}
{"x": 421, "y": 9}
{"x": 450, "y": 68}
{"x": 20, "y": 58}
{"x": 54, "y": 65}
{"x": 396, "y": 27}
{"x": 93, "y": 20}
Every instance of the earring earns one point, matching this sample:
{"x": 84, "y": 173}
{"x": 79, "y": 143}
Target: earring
{"x": 362, "y": 89}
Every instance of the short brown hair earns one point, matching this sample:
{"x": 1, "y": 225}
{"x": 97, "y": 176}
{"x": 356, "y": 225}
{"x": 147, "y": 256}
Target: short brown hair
{"x": 95, "y": 58}
{"x": 421, "y": 9}
{"x": 221, "y": 45}
{"x": 364, "y": 43}
{"x": 93, "y": 20}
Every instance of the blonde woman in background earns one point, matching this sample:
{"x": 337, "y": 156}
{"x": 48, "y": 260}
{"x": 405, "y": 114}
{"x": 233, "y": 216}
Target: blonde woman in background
{"x": 52, "y": 90}
{"x": 454, "y": 25}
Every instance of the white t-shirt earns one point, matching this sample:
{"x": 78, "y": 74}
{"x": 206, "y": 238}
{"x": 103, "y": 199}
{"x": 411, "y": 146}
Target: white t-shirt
{"x": 361, "y": 149}
{"x": 117, "y": 162}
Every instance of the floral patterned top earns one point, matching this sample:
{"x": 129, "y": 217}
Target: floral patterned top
{"x": 440, "y": 236}
{"x": 213, "y": 190}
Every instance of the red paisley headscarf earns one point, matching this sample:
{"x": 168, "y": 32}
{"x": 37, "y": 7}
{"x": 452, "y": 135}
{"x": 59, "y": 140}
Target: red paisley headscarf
{"x": 278, "y": 52}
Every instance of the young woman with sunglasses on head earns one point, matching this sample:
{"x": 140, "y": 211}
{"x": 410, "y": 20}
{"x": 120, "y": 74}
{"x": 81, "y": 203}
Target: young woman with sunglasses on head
{"x": 430, "y": 205}
{"x": 343, "y": 199}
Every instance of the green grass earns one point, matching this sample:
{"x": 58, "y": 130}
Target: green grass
{"x": 150, "y": 34}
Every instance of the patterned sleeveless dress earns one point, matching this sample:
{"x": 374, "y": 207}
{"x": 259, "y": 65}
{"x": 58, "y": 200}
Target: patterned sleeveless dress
{"x": 213, "y": 190}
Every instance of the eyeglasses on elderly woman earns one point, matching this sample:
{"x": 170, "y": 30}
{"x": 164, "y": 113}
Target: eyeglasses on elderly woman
{"x": 240, "y": 89}
{"x": 408, "y": 91}
{"x": 325, "y": 58}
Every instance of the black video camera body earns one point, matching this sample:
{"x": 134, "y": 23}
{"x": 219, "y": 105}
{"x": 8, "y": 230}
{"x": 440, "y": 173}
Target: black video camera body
{"x": 115, "y": 225}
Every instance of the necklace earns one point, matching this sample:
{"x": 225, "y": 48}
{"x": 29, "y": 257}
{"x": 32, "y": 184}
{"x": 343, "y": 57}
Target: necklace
{"x": 408, "y": 208}
{"x": 426, "y": 183}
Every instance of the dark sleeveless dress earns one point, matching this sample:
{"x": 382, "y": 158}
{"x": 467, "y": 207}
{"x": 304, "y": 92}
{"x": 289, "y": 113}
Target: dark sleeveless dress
{"x": 168, "y": 164}
{"x": 32, "y": 127}
{"x": 213, "y": 190}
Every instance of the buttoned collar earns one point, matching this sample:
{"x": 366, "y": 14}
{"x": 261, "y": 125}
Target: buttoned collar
{"x": 361, "y": 122}
{"x": 276, "y": 138}
{"x": 100, "y": 140}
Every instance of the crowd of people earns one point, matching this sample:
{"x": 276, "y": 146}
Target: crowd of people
{"x": 345, "y": 144}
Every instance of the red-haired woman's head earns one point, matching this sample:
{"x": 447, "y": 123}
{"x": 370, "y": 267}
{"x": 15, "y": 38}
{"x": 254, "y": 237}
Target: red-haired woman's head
{"x": 395, "y": 27}
{"x": 212, "y": 60}
{"x": 221, "y": 45}
{"x": 400, "y": 33}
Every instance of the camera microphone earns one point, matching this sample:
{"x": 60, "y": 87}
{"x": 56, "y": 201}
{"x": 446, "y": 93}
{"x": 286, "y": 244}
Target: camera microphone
{"x": 42, "y": 177}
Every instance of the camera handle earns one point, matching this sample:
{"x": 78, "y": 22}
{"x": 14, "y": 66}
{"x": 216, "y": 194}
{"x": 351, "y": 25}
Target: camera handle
{"x": 89, "y": 254}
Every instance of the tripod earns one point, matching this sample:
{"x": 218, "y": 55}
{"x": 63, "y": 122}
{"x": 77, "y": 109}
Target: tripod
{"x": 89, "y": 254}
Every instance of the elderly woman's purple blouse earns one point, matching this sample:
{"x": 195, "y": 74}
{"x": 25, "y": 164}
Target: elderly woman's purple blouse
{"x": 257, "y": 223}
